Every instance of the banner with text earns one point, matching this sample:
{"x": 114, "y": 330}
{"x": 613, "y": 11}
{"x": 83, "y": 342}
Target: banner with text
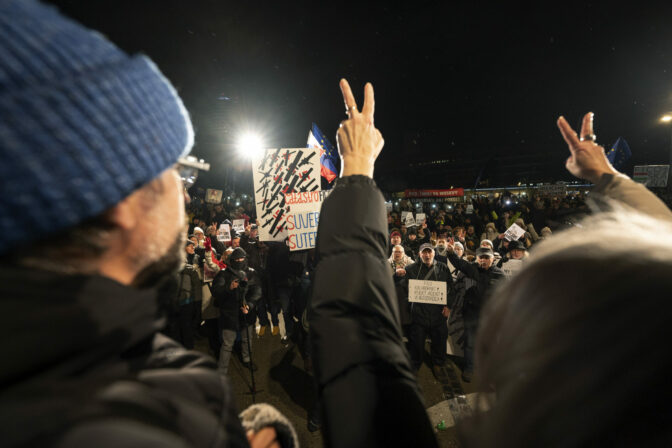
{"x": 434, "y": 193}
{"x": 427, "y": 291}
{"x": 288, "y": 195}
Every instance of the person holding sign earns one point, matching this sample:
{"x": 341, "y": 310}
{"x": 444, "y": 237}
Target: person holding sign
{"x": 428, "y": 316}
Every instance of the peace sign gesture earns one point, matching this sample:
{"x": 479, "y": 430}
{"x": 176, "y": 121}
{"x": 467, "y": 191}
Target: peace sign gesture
{"x": 587, "y": 159}
{"x": 359, "y": 142}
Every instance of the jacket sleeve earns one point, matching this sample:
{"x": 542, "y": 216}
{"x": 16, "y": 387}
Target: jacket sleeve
{"x": 463, "y": 265}
{"x": 211, "y": 264}
{"x": 623, "y": 189}
{"x": 368, "y": 391}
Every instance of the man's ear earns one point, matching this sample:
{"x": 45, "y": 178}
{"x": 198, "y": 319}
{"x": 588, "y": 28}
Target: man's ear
{"x": 124, "y": 215}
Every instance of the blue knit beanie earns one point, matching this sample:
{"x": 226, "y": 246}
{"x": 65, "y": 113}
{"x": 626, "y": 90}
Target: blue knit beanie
{"x": 82, "y": 124}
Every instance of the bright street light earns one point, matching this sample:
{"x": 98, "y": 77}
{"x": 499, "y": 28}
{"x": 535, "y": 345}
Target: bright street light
{"x": 250, "y": 145}
{"x": 666, "y": 118}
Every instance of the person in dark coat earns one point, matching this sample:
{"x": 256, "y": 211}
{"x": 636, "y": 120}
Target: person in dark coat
{"x": 94, "y": 146}
{"x": 368, "y": 390}
{"x": 480, "y": 277}
{"x": 236, "y": 291}
{"x": 429, "y": 319}
{"x": 187, "y": 299}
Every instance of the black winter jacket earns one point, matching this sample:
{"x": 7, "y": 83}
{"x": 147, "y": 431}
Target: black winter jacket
{"x": 83, "y": 365}
{"x": 368, "y": 390}
{"x": 478, "y": 284}
{"x": 230, "y": 300}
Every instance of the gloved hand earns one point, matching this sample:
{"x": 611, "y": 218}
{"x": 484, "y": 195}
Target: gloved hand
{"x": 208, "y": 244}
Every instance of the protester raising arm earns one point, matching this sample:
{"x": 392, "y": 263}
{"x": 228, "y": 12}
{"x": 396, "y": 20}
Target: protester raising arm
{"x": 368, "y": 391}
{"x": 588, "y": 161}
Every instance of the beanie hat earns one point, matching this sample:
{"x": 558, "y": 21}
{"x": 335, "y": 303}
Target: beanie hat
{"x": 83, "y": 124}
{"x": 199, "y": 230}
{"x": 458, "y": 244}
{"x": 395, "y": 233}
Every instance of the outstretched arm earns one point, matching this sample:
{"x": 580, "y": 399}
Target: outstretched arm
{"x": 361, "y": 365}
{"x": 587, "y": 160}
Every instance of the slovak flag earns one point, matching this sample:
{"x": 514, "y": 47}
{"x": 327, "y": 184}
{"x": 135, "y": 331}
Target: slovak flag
{"x": 328, "y": 154}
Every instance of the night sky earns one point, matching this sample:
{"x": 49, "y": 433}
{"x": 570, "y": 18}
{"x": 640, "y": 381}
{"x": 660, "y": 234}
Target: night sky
{"x": 459, "y": 81}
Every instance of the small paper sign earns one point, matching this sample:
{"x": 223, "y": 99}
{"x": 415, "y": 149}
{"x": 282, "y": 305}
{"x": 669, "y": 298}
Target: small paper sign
{"x": 420, "y": 219}
{"x": 470, "y": 209}
{"x": 213, "y": 196}
{"x": 514, "y": 232}
{"x": 224, "y": 233}
{"x": 388, "y": 207}
{"x": 428, "y": 291}
{"x": 407, "y": 219}
{"x": 239, "y": 225}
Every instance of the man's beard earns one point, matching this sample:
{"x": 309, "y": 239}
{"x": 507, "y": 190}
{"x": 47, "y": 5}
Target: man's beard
{"x": 169, "y": 263}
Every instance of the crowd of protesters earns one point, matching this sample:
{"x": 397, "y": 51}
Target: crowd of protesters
{"x": 575, "y": 347}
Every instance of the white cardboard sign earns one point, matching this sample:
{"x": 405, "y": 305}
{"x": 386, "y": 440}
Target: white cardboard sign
{"x": 427, "y": 291}
{"x": 420, "y": 218}
{"x": 239, "y": 225}
{"x": 286, "y": 183}
{"x": 514, "y": 232}
{"x": 224, "y": 233}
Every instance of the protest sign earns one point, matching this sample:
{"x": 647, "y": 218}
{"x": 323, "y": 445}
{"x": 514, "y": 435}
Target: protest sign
{"x": 427, "y": 291}
{"x": 388, "y": 207}
{"x": 239, "y": 225}
{"x": 288, "y": 195}
{"x": 514, "y": 232}
{"x": 420, "y": 219}
{"x": 224, "y": 233}
{"x": 213, "y": 196}
{"x": 651, "y": 175}
{"x": 552, "y": 190}
{"x": 407, "y": 219}
{"x": 470, "y": 209}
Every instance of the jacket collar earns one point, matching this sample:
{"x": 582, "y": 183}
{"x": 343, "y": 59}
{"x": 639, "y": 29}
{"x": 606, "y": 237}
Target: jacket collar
{"x": 64, "y": 322}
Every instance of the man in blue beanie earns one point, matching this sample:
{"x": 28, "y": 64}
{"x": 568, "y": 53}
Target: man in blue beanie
{"x": 91, "y": 141}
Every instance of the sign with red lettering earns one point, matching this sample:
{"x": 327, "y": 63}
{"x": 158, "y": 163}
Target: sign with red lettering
{"x": 445, "y": 193}
{"x": 288, "y": 195}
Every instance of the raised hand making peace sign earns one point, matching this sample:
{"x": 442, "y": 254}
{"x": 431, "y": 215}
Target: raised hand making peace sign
{"x": 587, "y": 159}
{"x": 359, "y": 142}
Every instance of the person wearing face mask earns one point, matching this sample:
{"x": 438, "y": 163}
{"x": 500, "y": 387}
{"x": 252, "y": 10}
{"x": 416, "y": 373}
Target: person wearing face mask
{"x": 236, "y": 290}
{"x": 479, "y": 278}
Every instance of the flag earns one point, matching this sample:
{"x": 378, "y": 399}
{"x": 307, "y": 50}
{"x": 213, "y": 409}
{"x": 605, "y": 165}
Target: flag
{"x": 619, "y": 154}
{"x": 328, "y": 154}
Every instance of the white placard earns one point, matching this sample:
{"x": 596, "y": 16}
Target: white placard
{"x": 239, "y": 225}
{"x": 428, "y": 291}
{"x": 213, "y": 196}
{"x": 420, "y": 219}
{"x": 224, "y": 233}
{"x": 514, "y": 232}
{"x": 286, "y": 182}
{"x": 388, "y": 207}
{"x": 407, "y": 219}
{"x": 470, "y": 209}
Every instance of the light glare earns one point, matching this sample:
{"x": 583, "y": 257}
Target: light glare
{"x": 250, "y": 146}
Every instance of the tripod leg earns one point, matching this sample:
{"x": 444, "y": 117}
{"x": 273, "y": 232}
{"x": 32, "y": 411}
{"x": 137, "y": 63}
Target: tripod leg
{"x": 250, "y": 364}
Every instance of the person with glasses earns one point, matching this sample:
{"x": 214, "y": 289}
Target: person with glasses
{"x": 93, "y": 145}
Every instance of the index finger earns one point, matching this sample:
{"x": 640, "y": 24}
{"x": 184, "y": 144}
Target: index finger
{"x": 369, "y": 102}
{"x": 568, "y": 133}
{"x": 348, "y": 97}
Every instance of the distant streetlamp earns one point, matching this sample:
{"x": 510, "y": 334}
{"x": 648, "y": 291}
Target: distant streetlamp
{"x": 667, "y": 118}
